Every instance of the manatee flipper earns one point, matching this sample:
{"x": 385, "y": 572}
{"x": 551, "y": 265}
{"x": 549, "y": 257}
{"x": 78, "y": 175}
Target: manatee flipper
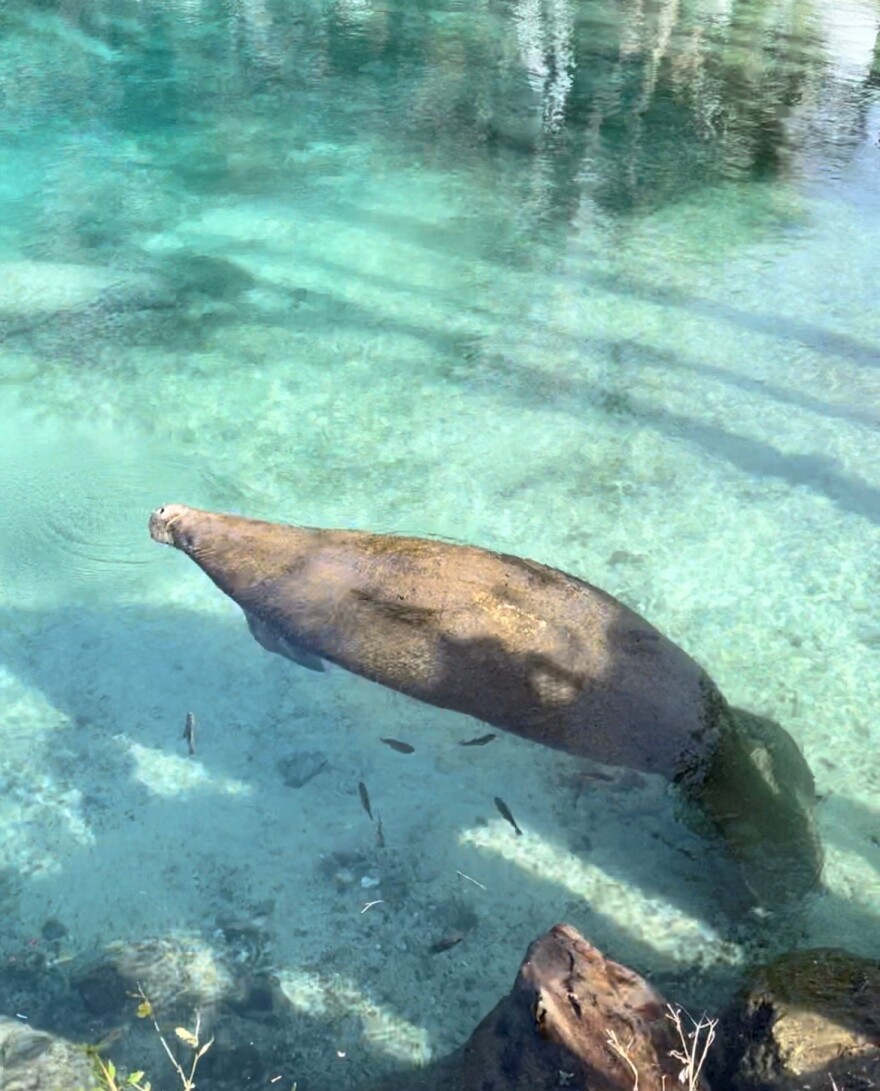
{"x": 272, "y": 640}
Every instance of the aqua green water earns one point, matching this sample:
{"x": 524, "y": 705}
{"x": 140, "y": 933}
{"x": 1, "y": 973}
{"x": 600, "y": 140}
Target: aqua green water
{"x": 594, "y": 283}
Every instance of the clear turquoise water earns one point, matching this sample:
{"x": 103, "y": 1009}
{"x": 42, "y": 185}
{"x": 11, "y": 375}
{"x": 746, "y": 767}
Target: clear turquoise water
{"x": 593, "y": 283}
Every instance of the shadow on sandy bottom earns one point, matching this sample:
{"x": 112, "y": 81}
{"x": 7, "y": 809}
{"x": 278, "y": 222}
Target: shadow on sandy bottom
{"x": 136, "y": 672}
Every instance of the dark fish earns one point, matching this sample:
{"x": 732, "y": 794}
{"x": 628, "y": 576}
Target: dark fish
{"x": 444, "y": 944}
{"x": 365, "y": 798}
{"x": 504, "y": 811}
{"x": 189, "y": 732}
{"x": 481, "y": 741}
{"x": 400, "y": 747}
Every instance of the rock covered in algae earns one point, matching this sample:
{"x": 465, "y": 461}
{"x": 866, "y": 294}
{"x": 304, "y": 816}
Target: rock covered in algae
{"x": 173, "y": 970}
{"x": 758, "y": 792}
{"x": 810, "y": 1020}
{"x": 32, "y": 1060}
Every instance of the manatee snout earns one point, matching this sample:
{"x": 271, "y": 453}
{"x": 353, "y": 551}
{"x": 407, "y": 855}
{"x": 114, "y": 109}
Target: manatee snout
{"x": 162, "y": 523}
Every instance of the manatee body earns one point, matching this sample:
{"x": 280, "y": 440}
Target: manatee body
{"x": 521, "y": 646}
{"x": 527, "y": 649}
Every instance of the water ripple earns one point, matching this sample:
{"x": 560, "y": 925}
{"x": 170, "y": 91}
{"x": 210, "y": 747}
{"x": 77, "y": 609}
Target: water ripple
{"x": 73, "y": 508}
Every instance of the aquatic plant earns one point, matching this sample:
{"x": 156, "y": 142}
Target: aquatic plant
{"x": 695, "y": 1045}
{"x": 692, "y": 1055}
{"x": 107, "y": 1072}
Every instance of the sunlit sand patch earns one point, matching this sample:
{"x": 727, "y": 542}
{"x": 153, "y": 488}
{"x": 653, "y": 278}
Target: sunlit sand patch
{"x": 37, "y": 817}
{"x": 39, "y": 814}
{"x": 653, "y": 922}
{"x": 29, "y": 288}
{"x": 174, "y": 774}
{"x": 848, "y": 874}
{"x": 334, "y": 995}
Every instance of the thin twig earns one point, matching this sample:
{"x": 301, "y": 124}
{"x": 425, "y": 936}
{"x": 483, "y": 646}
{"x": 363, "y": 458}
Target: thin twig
{"x": 691, "y": 1042}
{"x": 470, "y": 879}
{"x": 199, "y": 1050}
{"x": 623, "y": 1053}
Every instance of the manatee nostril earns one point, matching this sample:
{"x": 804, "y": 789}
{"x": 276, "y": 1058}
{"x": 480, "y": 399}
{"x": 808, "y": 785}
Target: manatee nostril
{"x": 161, "y": 511}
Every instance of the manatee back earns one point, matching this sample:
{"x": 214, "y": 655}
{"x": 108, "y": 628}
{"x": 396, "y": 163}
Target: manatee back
{"x": 522, "y": 646}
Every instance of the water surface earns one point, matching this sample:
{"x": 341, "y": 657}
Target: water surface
{"x": 593, "y": 283}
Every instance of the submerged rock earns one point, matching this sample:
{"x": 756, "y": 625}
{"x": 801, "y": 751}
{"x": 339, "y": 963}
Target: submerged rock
{"x": 810, "y": 1020}
{"x": 181, "y": 971}
{"x": 32, "y": 1060}
{"x": 758, "y": 792}
{"x": 573, "y": 1018}
{"x": 234, "y": 1067}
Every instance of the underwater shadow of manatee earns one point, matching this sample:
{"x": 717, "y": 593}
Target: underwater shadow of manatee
{"x": 114, "y": 669}
{"x": 138, "y": 636}
{"x": 153, "y": 675}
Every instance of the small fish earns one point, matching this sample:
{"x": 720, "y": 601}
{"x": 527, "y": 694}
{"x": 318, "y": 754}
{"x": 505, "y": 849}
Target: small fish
{"x": 400, "y": 747}
{"x": 504, "y": 811}
{"x": 189, "y": 732}
{"x": 481, "y": 741}
{"x": 445, "y": 943}
{"x": 365, "y": 798}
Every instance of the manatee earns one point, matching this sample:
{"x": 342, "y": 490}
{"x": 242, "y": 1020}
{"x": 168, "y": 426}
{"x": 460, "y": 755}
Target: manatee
{"x": 509, "y": 641}
{"x": 519, "y": 645}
